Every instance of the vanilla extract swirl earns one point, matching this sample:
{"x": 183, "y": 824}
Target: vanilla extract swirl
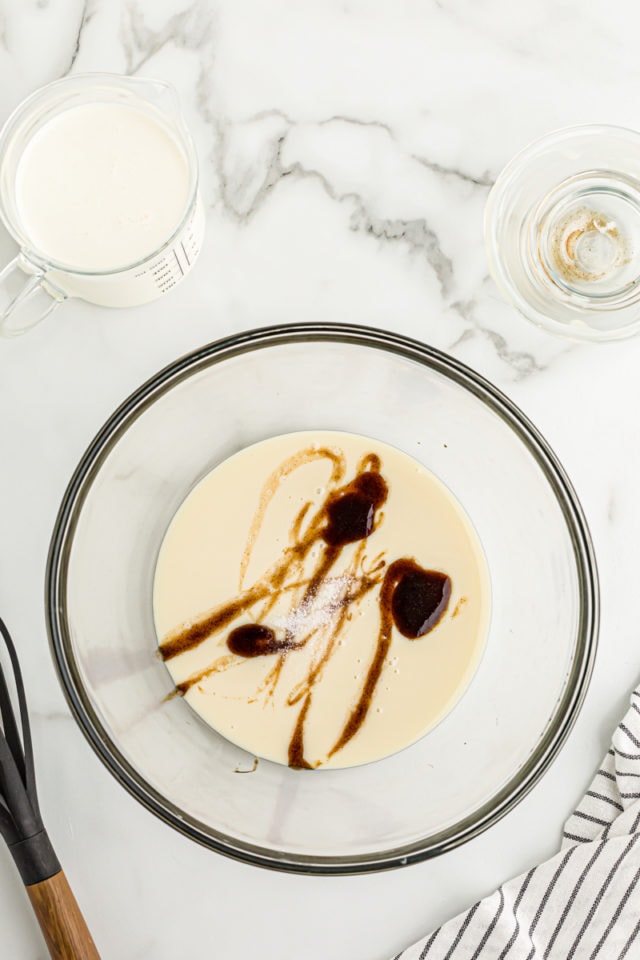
{"x": 411, "y": 599}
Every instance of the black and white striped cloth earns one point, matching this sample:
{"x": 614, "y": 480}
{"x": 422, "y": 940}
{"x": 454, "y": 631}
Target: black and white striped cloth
{"x": 584, "y": 903}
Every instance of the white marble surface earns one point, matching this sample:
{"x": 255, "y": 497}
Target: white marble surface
{"x": 347, "y": 148}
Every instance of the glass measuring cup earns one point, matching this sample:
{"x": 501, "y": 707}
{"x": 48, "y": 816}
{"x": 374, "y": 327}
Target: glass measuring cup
{"x": 34, "y": 283}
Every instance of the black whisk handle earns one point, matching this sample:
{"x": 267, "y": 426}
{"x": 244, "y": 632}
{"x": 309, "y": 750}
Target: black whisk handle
{"x": 55, "y": 906}
{"x": 35, "y": 858}
{"x": 63, "y": 926}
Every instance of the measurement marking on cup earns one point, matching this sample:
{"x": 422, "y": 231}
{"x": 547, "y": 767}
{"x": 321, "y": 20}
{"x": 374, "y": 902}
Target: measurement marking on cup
{"x": 186, "y": 255}
{"x": 178, "y": 262}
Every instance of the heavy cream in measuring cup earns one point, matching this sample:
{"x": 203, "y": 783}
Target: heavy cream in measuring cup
{"x": 101, "y": 186}
{"x": 99, "y": 189}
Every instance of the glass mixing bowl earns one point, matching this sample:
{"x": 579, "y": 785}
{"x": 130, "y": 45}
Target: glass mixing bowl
{"x": 500, "y": 737}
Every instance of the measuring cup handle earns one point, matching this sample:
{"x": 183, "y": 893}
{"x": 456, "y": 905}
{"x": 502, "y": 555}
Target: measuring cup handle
{"x": 24, "y": 300}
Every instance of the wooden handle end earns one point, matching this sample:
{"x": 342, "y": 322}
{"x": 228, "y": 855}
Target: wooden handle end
{"x": 64, "y": 928}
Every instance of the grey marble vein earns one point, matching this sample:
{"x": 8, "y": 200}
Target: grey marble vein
{"x": 272, "y": 112}
{"x": 522, "y": 363}
{"x": 238, "y": 199}
{"x": 273, "y": 174}
{"x": 482, "y": 180}
{"x": 415, "y": 233}
{"x": 86, "y": 15}
{"x": 190, "y": 28}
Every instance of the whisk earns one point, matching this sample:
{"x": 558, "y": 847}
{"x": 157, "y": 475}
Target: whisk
{"x": 55, "y": 906}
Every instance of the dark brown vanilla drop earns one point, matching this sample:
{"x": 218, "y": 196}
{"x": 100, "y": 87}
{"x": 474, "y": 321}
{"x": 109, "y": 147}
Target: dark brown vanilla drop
{"x": 315, "y": 578}
{"x": 419, "y": 597}
{"x": 414, "y": 600}
{"x": 351, "y": 511}
{"x": 255, "y": 640}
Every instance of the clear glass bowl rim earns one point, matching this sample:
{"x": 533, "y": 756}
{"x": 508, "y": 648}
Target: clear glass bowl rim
{"x": 62, "y": 650}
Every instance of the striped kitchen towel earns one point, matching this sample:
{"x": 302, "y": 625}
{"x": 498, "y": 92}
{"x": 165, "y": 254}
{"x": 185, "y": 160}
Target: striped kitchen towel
{"x": 582, "y": 904}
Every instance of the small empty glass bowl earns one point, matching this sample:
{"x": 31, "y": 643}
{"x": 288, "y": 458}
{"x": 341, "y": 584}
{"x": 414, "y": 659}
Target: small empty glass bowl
{"x": 499, "y": 738}
{"x": 562, "y": 232}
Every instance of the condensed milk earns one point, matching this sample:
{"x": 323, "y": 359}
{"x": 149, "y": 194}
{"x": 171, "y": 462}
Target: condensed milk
{"x": 321, "y": 599}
